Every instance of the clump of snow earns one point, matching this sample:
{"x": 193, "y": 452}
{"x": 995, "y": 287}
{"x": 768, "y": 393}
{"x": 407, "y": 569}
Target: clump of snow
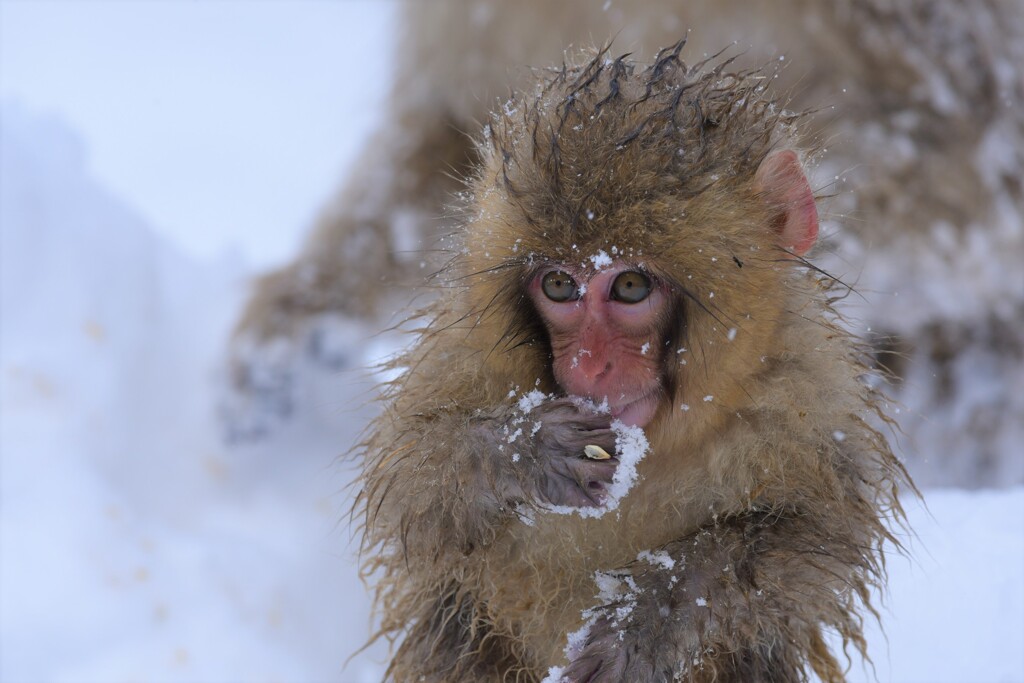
{"x": 611, "y": 587}
{"x": 531, "y": 400}
{"x": 576, "y": 640}
{"x": 555, "y": 674}
{"x": 601, "y": 260}
{"x": 587, "y": 404}
{"x": 631, "y": 446}
{"x": 658, "y": 557}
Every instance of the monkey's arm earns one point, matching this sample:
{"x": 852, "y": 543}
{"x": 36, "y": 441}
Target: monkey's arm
{"x": 740, "y": 600}
{"x": 448, "y": 480}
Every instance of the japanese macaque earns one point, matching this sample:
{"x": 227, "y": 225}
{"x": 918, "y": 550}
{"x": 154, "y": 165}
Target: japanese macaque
{"x": 633, "y": 442}
{"x": 920, "y": 104}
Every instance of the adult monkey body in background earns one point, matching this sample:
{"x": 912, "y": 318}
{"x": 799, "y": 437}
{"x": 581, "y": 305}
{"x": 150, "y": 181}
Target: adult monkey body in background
{"x": 926, "y": 130}
{"x": 633, "y": 237}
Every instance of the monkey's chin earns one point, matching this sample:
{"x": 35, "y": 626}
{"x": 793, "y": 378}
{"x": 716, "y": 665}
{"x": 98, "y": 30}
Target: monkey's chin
{"x": 639, "y": 412}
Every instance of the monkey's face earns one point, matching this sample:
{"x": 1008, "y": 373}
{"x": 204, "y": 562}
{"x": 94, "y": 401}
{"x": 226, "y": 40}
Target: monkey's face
{"x": 606, "y": 333}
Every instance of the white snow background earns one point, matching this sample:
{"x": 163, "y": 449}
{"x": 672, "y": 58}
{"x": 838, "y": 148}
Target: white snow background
{"x": 153, "y": 156}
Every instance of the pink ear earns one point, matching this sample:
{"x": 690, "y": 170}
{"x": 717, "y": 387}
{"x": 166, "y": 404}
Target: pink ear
{"x": 782, "y": 181}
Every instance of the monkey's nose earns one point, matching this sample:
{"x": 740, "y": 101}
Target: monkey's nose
{"x": 592, "y": 369}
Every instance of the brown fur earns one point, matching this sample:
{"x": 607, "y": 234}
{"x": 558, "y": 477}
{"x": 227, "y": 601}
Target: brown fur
{"x": 772, "y": 497}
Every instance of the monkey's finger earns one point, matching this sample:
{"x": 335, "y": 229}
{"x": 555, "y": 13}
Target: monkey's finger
{"x": 595, "y": 493}
{"x": 581, "y": 443}
{"x": 581, "y": 670}
{"x": 595, "y": 433}
{"x": 570, "y": 490}
{"x": 594, "y": 476}
{"x": 583, "y": 483}
{"x": 592, "y": 422}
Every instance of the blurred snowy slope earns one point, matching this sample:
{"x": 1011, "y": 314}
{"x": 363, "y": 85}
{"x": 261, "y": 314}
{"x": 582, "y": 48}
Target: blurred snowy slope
{"x": 133, "y": 544}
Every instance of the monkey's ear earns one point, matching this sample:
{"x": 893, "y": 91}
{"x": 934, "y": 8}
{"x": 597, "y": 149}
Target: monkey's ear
{"x": 781, "y": 181}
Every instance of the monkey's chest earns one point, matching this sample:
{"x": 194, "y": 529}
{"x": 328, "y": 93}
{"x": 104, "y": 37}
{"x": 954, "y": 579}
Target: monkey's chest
{"x": 539, "y": 579}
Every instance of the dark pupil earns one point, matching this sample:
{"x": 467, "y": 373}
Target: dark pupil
{"x": 559, "y": 286}
{"x": 631, "y": 287}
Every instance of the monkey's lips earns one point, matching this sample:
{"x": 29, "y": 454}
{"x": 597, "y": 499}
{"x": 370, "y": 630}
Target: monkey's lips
{"x": 637, "y": 413}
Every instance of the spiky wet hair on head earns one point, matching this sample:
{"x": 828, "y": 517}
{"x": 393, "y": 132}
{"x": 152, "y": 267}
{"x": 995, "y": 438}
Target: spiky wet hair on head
{"x": 610, "y": 136}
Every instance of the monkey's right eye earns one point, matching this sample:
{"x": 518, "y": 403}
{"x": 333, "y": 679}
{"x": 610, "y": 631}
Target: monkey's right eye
{"x": 558, "y": 286}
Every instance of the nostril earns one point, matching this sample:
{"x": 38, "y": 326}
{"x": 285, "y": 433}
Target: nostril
{"x": 600, "y": 374}
{"x": 589, "y": 367}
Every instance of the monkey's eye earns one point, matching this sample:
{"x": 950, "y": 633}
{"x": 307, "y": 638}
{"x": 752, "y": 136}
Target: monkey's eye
{"x": 558, "y": 286}
{"x": 631, "y": 287}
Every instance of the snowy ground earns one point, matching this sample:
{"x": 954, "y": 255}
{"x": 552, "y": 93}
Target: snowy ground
{"x": 135, "y": 545}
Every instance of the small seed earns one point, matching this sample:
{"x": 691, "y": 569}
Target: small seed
{"x": 595, "y": 452}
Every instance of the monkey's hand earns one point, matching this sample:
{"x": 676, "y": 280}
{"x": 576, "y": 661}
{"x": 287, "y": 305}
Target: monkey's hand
{"x": 623, "y": 639}
{"x": 449, "y": 483}
{"x": 605, "y": 657}
{"x": 548, "y": 456}
{"x": 743, "y": 599}
{"x": 567, "y": 474}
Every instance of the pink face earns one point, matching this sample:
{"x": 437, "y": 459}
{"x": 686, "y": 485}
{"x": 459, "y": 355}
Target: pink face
{"x": 606, "y": 331}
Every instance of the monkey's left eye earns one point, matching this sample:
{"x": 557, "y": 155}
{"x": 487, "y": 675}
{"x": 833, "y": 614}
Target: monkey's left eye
{"x": 631, "y": 287}
{"x": 558, "y": 286}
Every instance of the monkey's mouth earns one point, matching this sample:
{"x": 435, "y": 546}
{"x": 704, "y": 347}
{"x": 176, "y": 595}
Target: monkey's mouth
{"x": 637, "y": 413}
